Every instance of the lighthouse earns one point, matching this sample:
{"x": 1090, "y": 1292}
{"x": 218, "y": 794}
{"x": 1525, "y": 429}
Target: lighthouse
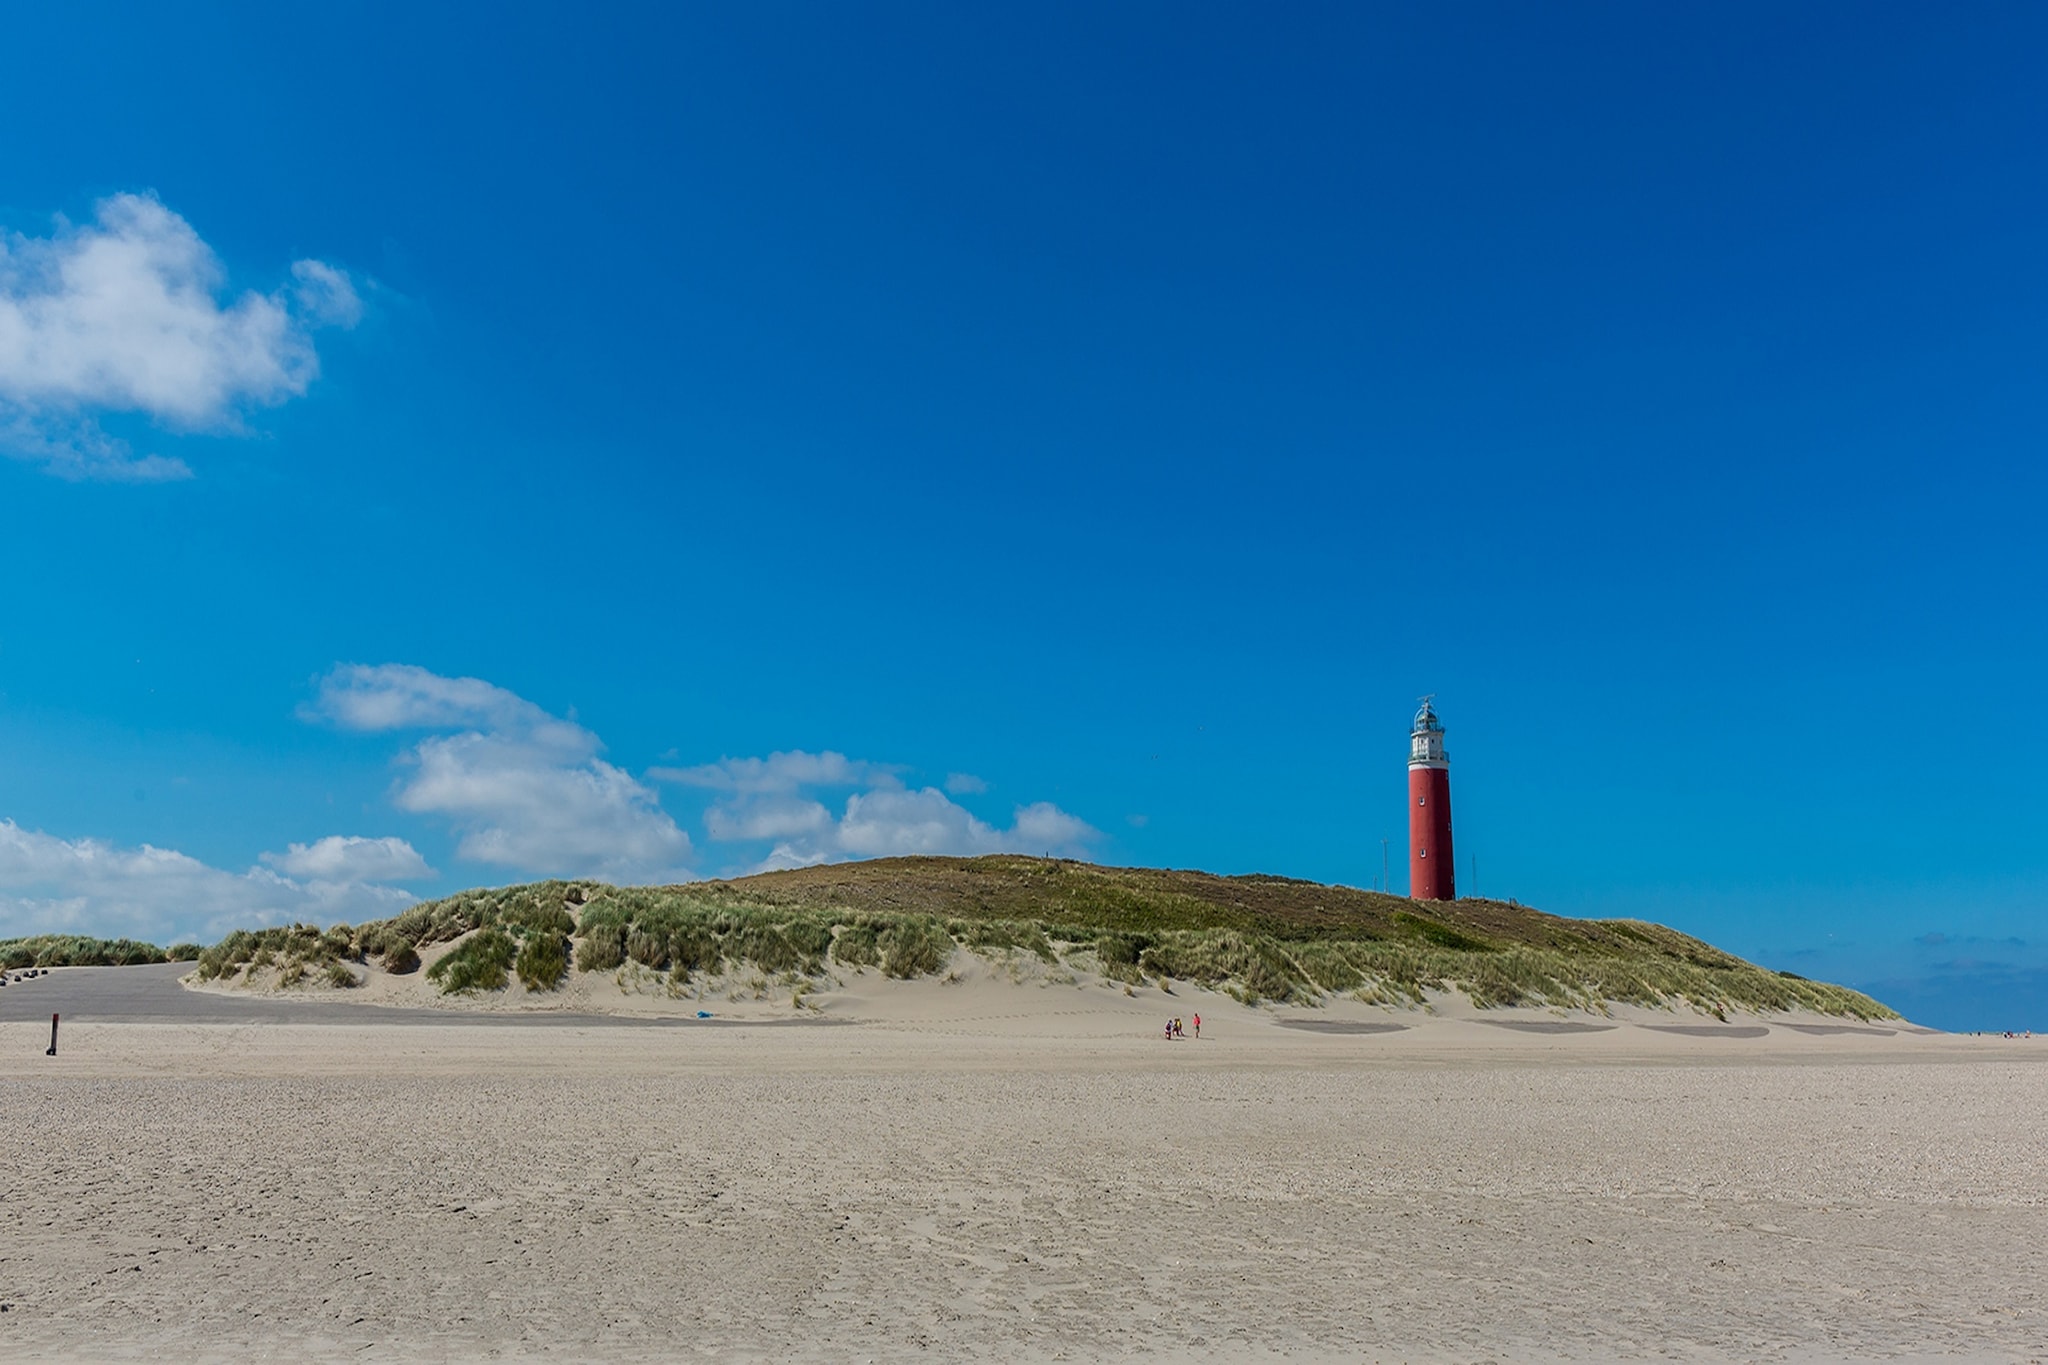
{"x": 1431, "y": 867}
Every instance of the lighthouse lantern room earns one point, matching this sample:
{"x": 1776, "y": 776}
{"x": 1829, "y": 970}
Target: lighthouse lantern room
{"x": 1431, "y": 865}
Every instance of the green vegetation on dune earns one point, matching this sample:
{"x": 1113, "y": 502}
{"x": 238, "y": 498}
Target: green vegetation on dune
{"x": 480, "y": 962}
{"x": 296, "y": 952}
{"x": 1260, "y": 938}
{"x": 76, "y": 950}
{"x": 543, "y": 960}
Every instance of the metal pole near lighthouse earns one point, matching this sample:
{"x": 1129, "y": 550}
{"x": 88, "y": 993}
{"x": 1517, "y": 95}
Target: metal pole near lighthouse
{"x": 1432, "y": 865}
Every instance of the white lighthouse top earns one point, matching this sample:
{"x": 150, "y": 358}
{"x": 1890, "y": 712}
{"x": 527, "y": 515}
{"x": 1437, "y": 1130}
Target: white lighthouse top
{"x": 1426, "y": 740}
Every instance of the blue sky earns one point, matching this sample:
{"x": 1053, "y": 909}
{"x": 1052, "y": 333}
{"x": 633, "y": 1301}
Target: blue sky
{"x": 455, "y": 447}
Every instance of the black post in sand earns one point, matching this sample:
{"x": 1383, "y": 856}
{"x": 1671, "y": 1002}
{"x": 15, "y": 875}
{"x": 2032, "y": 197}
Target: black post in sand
{"x": 53, "y": 1037}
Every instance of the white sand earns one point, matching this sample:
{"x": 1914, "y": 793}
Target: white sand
{"x": 989, "y": 1171}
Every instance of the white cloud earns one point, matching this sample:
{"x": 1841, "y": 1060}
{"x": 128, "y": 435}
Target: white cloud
{"x": 128, "y": 314}
{"x": 346, "y": 858}
{"x": 781, "y": 772}
{"x": 1044, "y": 825}
{"x": 883, "y": 824}
{"x": 527, "y": 789}
{"x": 769, "y": 803}
{"x": 524, "y": 789}
{"x": 893, "y": 822}
{"x": 518, "y": 805}
{"x": 888, "y": 823}
{"x": 766, "y": 818}
{"x": 88, "y": 886}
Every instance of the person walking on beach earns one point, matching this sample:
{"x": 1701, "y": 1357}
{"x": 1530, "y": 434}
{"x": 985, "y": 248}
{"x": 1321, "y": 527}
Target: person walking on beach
{"x": 1198, "y": 1026}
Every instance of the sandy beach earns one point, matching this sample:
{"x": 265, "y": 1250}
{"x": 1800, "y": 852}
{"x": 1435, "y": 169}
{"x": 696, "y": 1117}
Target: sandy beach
{"x": 991, "y": 1171}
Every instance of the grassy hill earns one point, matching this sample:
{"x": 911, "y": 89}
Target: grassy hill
{"x": 1258, "y": 937}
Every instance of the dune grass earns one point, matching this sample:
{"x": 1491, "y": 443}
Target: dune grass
{"x": 1260, "y": 938}
{"x": 75, "y": 950}
{"x": 480, "y": 962}
{"x": 296, "y": 952}
{"x": 543, "y": 960}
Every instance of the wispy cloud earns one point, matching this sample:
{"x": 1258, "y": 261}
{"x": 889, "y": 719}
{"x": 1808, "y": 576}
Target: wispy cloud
{"x": 129, "y": 314}
{"x": 523, "y": 788}
{"x": 50, "y": 884}
{"x": 781, "y": 772}
{"x": 374, "y": 697}
{"x": 1936, "y": 938}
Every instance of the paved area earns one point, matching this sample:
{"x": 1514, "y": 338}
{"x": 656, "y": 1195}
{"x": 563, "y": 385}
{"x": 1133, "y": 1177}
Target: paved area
{"x": 151, "y": 995}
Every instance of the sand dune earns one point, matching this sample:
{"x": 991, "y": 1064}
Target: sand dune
{"x": 986, "y": 1170}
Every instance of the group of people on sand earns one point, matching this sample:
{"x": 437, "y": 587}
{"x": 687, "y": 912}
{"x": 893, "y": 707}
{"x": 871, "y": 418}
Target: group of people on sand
{"x": 1174, "y": 1030}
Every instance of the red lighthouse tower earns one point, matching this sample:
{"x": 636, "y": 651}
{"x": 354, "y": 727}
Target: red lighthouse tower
{"x": 1432, "y": 870}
